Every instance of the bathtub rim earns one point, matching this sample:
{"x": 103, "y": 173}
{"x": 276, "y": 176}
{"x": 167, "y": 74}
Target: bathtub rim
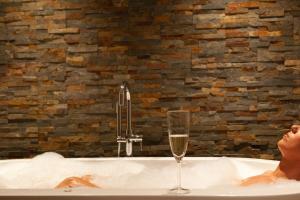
{"x": 259, "y": 160}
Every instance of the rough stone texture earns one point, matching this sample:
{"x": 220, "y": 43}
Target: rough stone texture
{"x": 235, "y": 64}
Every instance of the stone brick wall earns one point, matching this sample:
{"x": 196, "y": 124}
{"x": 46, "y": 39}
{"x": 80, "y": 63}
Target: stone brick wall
{"x": 235, "y": 64}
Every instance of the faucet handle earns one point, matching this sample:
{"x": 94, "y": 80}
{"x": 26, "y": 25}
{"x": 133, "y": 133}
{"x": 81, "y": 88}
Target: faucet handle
{"x": 136, "y": 138}
{"x": 121, "y": 139}
{"x": 139, "y": 138}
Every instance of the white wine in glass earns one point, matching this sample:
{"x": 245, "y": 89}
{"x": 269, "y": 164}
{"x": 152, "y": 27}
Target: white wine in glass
{"x": 178, "y": 143}
{"x": 178, "y": 130}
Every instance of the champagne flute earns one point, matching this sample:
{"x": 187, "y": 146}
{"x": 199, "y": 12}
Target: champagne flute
{"x": 178, "y": 130}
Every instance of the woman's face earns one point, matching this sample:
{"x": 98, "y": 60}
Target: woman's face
{"x": 289, "y": 145}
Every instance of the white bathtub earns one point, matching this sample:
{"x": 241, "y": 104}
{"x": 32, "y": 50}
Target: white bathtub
{"x": 135, "y": 190}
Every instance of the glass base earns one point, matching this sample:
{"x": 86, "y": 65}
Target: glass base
{"x": 179, "y": 190}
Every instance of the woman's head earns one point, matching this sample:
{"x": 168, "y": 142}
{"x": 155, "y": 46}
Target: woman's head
{"x": 289, "y": 145}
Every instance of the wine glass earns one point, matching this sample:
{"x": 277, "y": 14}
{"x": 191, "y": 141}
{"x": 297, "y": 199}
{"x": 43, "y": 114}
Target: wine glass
{"x": 178, "y": 129}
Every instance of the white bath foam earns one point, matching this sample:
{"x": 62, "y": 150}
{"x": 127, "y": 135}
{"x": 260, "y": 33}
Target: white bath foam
{"x": 49, "y": 169}
{"x": 43, "y": 171}
{"x": 221, "y": 171}
{"x": 196, "y": 175}
{"x": 246, "y": 169}
{"x": 150, "y": 177}
{"x": 115, "y": 174}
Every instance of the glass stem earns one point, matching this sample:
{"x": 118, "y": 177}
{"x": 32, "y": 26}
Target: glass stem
{"x": 179, "y": 174}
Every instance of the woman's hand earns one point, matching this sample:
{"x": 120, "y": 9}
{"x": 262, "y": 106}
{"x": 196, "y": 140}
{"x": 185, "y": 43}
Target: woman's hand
{"x": 77, "y": 182}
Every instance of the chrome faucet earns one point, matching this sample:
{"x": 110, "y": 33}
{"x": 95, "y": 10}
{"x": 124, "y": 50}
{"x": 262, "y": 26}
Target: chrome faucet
{"x": 128, "y": 138}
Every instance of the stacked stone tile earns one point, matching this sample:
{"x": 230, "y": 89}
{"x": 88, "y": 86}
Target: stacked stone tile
{"x": 235, "y": 64}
